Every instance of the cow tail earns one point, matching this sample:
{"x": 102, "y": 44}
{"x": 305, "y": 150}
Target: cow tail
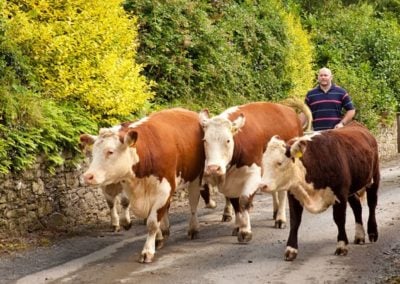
{"x": 300, "y": 106}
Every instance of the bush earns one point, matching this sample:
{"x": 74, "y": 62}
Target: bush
{"x": 220, "y": 53}
{"x": 82, "y": 51}
{"x": 66, "y": 67}
{"x": 362, "y": 50}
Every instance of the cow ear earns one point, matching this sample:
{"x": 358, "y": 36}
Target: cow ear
{"x": 130, "y": 138}
{"x": 298, "y": 148}
{"x": 86, "y": 140}
{"x": 204, "y": 116}
{"x": 238, "y": 123}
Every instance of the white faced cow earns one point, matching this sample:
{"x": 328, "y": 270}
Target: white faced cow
{"x": 323, "y": 169}
{"x": 151, "y": 158}
{"x": 234, "y": 144}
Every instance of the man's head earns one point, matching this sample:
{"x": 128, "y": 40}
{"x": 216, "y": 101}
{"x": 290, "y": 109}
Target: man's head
{"x": 325, "y": 77}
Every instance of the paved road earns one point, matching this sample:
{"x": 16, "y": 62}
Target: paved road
{"x": 216, "y": 257}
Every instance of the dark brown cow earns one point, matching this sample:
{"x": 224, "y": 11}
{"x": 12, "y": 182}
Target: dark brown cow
{"x": 323, "y": 169}
{"x": 151, "y": 158}
{"x": 235, "y": 142}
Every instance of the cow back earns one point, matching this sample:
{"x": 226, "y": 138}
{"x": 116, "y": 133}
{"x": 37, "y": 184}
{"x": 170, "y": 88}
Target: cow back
{"x": 169, "y": 143}
{"x": 263, "y": 120}
{"x": 342, "y": 158}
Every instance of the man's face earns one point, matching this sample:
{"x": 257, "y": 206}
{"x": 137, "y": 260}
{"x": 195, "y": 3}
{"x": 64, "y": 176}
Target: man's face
{"x": 324, "y": 78}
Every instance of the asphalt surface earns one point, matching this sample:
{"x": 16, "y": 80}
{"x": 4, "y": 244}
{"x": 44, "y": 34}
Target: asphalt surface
{"x": 99, "y": 256}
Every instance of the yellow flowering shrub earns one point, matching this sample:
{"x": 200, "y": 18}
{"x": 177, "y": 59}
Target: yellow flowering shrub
{"x": 81, "y": 50}
{"x": 300, "y": 56}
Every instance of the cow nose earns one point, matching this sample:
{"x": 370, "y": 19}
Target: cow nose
{"x": 264, "y": 188}
{"x": 88, "y": 178}
{"x": 213, "y": 170}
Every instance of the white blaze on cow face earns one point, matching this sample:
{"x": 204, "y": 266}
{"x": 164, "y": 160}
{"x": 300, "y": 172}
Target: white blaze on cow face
{"x": 218, "y": 144}
{"x": 283, "y": 170}
{"x": 278, "y": 168}
{"x": 112, "y": 160}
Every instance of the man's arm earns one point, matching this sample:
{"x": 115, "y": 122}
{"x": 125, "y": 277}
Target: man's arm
{"x": 347, "y": 118}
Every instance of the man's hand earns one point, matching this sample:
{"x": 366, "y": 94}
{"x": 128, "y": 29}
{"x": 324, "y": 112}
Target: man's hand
{"x": 339, "y": 125}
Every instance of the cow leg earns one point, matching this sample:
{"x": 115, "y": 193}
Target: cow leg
{"x": 228, "y": 211}
{"x": 235, "y": 204}
{"x": 279, "y": 202}
{"x": 153, "y": 229}
{"x": 295, "y": 214}
{"x": 372, "y": 200}
{"x": 126, "y": 217}
{"x": 242, "y": 219}
{"x": 163, "y": 232}
{"x": 165, "y": 226}
{"x": 194, "y": 196}
{"x": 159, "y": 208}
{"x": 355, "y": 205}
{"x": 205, "y": 194}
{"x": 111, "y": 200}
{"x": 339, "y": 216}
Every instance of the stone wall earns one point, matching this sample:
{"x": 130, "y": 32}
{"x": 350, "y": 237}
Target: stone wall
{"x": 36, "y": 200}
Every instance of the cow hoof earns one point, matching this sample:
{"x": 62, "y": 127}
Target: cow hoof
{"x": 244, "y": 237}
{"x": 359, "y": 241}
{"x": 127, "y": 226}
{"x": 373, "y": 237}
{"x": 115, "y": 229}
{"x": 193, "y": 234}
{"x": 279, "y": 224}
{"x": 290, "y": 255}
{"x": 160, "y": 244}
{"x": 211, "y": 204}
{"x": 235, "y": 232}
{"x": 341, "y": 251}
{"x": 146, "y": 258}
{"x": 226, "y": 218}
{"x": 165, "y": 232}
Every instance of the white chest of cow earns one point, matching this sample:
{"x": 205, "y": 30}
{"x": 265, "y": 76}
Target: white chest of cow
{"x": 240, "y": 181}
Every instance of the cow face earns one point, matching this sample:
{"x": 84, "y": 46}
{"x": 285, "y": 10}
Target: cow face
{"x": 278, "y": 166}
{"x": 112, "y": 157}
{"x": 283, "y": 170}
{"x": 218, "y": 144}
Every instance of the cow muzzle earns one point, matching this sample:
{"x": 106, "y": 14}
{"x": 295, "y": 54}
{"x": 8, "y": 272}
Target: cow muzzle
{"x": 214, "y": 175}
{"x": 213, "y": 170}
{"x": 263, "y": 187}
{"x": 89, "y": 179}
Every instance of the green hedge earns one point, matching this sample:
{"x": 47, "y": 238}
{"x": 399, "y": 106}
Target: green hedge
{"x": 216, "y": 54}
{"x": 363, "y": 51}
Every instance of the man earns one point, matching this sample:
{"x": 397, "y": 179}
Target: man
{"x": 326, "y": 102}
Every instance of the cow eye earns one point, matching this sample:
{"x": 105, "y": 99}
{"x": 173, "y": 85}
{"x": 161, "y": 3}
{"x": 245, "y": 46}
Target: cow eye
{"x": 109, "y": 153}
{"x": 228, "y": 141}
{"x": 279, "y": 164}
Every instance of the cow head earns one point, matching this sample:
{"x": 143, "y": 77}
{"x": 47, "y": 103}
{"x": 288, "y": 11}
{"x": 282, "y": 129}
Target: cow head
{"x": 113, "y": 155}
{"x": 218, "y": 144}
{"x": 281, "y": 165}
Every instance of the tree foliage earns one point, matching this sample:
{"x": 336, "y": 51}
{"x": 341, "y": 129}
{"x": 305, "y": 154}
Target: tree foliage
{"x": 65, "y": 68}
{"x": 80, "y": 50}
{"x": 68, "y": 67}
{"x": 362, "y": 50}
{"x": 217, "y": 54}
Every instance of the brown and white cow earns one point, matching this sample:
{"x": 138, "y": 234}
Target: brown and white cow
{"x": 322, "y": 169}
{"x": 234, "y": 144}
{"x": 151, "y": 158}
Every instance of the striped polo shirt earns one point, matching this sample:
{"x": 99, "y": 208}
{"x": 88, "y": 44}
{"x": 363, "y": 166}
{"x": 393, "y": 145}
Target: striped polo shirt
{"x": 327, "y": 107}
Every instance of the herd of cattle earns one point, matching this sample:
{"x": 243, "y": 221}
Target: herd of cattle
{"x": 256, "y": 146}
